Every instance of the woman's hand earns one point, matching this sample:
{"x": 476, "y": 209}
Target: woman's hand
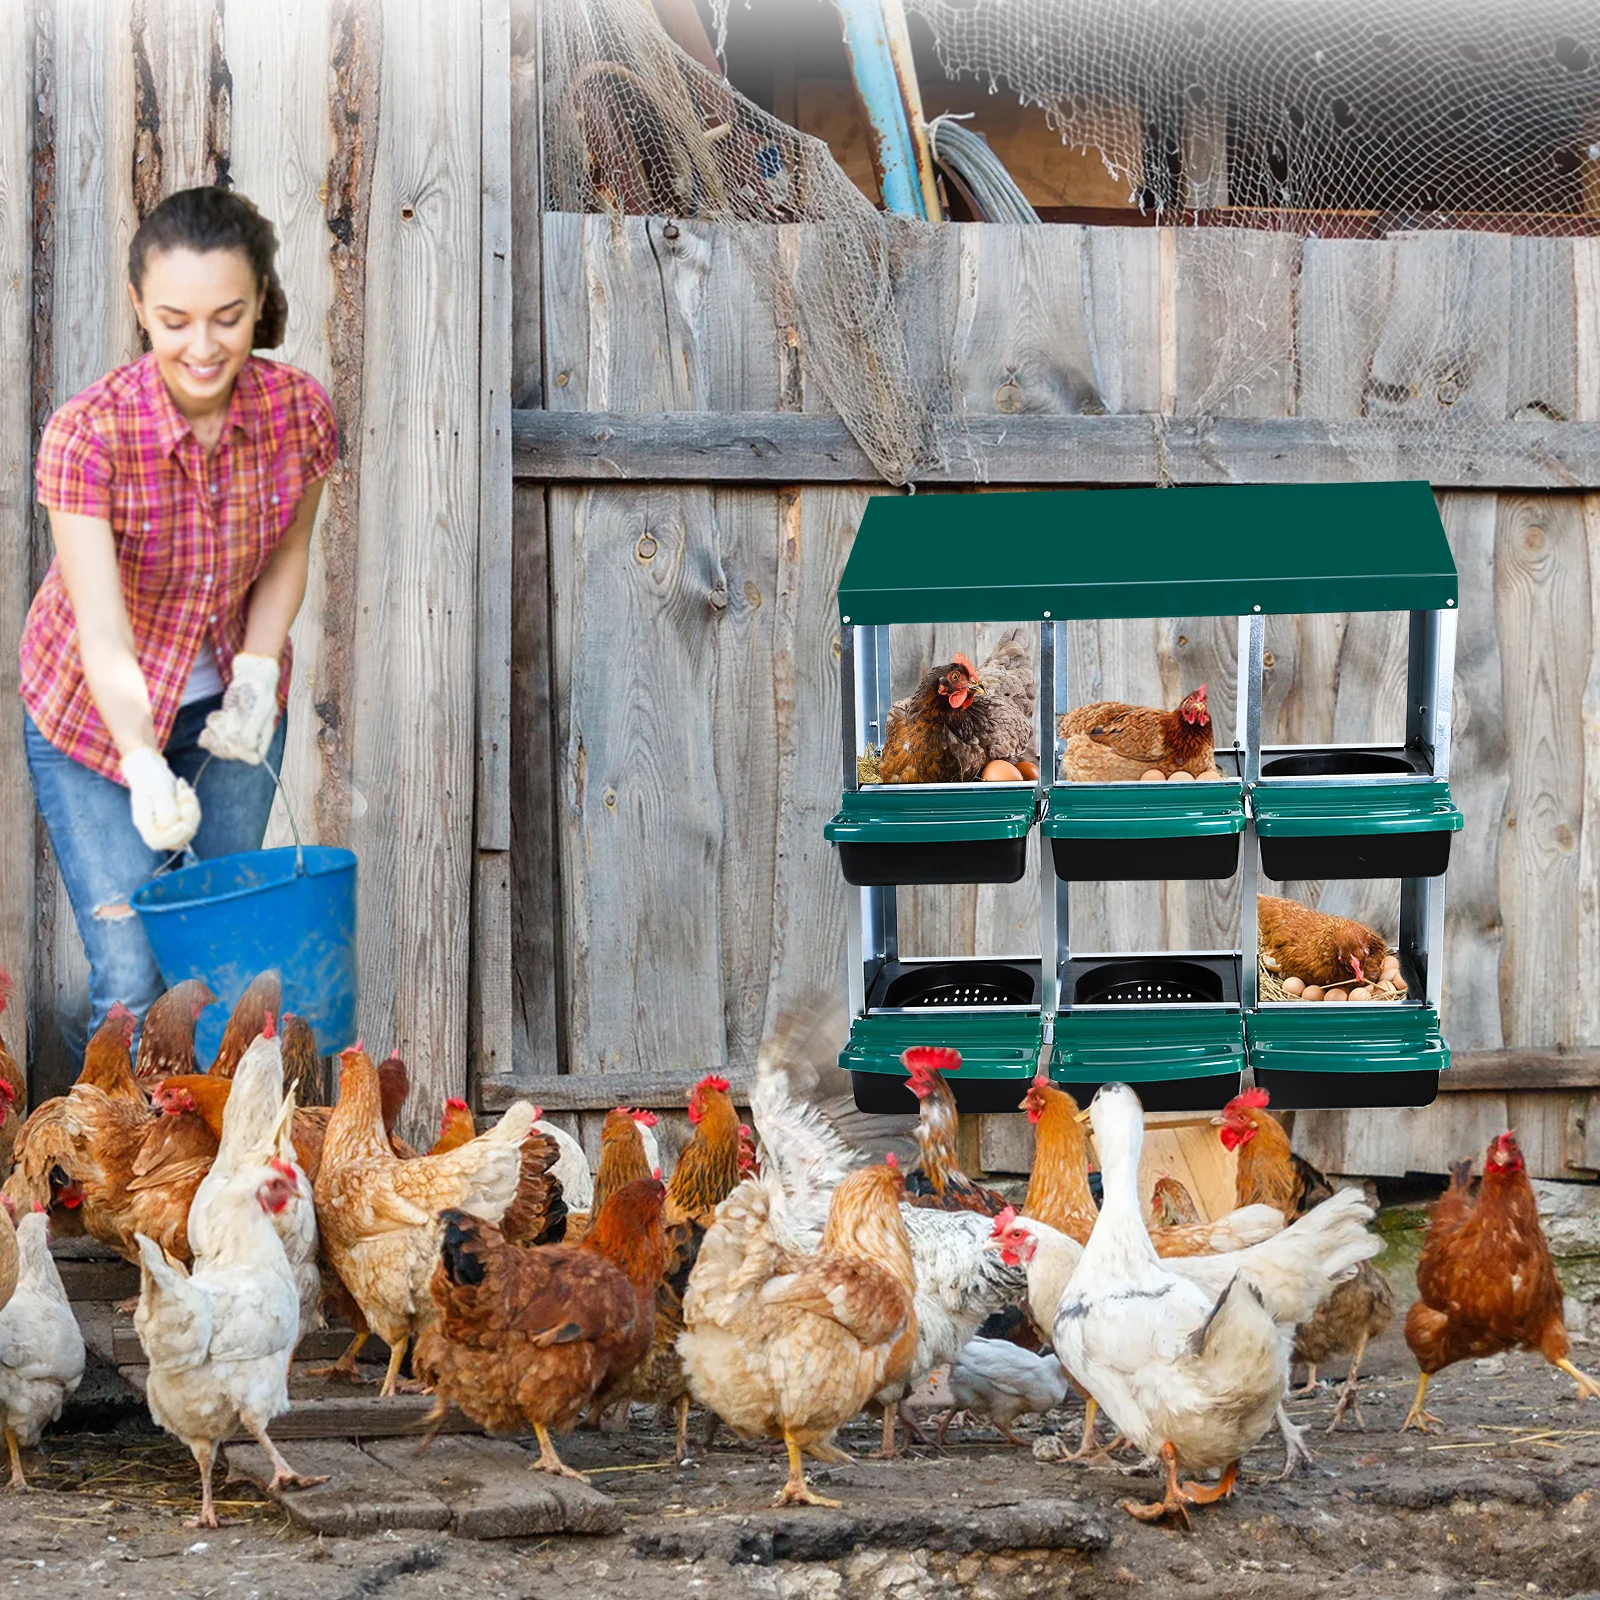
{"x": 242, "y": 729}
{"x": 165, "y": 810}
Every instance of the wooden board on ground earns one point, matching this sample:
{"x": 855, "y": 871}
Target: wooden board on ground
{"x": 493, "y": 1490}
{"x": 478, "y": 1488}
{"x": 1191, "y": 1152}
{"x": 321, "y": 1344}
{"x": 361, "y": 1494}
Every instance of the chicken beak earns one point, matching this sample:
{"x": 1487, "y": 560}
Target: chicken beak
{"x": 1219, "y": 1122}
{"x": 1081, "y": 1116}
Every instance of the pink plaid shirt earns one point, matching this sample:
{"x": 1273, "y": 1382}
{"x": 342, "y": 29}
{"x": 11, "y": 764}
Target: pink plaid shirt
{"x": 192, "y": 535}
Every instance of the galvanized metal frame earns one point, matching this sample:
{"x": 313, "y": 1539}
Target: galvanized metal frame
{"x": 1247, "y": 727}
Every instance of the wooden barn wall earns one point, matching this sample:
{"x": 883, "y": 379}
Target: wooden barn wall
{"x": 695, "y": 655}
{"x": 369, "y": 131}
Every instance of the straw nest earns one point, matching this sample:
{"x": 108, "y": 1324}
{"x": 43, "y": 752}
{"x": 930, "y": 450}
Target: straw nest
{"x": 1270, "y": 986}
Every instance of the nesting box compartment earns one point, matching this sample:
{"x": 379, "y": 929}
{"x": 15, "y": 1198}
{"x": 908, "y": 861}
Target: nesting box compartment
{"x": 1320, "y": 1057}
{"x": 999, "y": 1050}
{"x": 1102, "y": 832}
{"x": 901, "y": 834}
{"x": 1351, "y": 813}
{"x": 1177, "y": 1057}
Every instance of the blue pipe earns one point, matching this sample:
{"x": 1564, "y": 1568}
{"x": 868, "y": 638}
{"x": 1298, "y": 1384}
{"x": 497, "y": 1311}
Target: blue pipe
{"x": 876, "y": 82}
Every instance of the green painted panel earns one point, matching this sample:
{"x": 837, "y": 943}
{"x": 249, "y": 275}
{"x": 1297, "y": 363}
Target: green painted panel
{"x": 1127, "y": 1044}
{"x": 1004, "y": 1045}
{"x": 1348, "y": 1038}
{"x": 914, "y": 813}
{"x": 1287, "y": 810}
{"x": 1144, "y": 810}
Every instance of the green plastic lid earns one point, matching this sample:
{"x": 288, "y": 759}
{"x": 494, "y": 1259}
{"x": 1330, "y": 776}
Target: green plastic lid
{"x": 1224, "y": 551}
{"x": 1389, "y": 1037}
{"x": 916, "y": 813}
{"x": 1144, "y": 810}
{"x": 1285, "y": 809}
{"x": 1143, "y": 1044}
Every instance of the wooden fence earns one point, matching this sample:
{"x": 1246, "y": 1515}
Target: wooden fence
{"x": 568, "y": 673}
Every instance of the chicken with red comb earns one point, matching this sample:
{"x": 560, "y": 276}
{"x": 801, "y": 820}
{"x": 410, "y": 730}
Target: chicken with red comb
{"x": 940, "y": 1183}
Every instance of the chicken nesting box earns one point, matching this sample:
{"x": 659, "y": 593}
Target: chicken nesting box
{"x": 1182, "y": 1025}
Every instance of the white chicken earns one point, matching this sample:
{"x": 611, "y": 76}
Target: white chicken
{"x": 999, "y": 1380}
{"x": 220, "y": 1337}
{"x": 257, "y": 1128}
{"x": 1191, "y": 1364}
{"x": 571, "y": 1170}
{"x": 41, "y": 1349}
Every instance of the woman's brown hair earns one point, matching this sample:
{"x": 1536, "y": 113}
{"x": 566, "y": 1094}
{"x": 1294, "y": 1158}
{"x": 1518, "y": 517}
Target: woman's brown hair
{"x": 217, "y": 219}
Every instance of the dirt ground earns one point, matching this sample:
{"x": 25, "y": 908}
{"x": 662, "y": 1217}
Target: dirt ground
{"x": 1507, "y": 1500}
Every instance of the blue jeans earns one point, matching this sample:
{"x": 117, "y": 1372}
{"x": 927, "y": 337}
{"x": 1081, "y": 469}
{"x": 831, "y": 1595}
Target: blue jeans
{"x": 103, "y": 859}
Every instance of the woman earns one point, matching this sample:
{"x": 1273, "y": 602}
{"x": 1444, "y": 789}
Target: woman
{"x": 181, "y": 489}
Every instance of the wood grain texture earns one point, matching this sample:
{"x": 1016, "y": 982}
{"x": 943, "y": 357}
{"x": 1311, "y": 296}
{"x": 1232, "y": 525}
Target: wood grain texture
{"x": 414, "y": 736}
{"x": 1586, "y": 406}
{"x": 16, "y": 484}
{"x": 1542, "y": 609}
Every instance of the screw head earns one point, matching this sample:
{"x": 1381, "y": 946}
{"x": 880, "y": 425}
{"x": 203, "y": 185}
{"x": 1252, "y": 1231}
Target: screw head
{"x": 1255, "y": 608}
{"x": 1047, "y": 616}
{"x": 844, "y": 619}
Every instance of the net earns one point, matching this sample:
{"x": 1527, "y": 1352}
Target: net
{"x": 1368, "y": 120}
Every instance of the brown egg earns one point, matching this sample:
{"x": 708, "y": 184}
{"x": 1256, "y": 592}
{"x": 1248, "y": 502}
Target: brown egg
{"x": 1002, "y": 772}
{"x": 1400, "y": 985}
{"x": 1363, "y": 993}
{"x": 1294, "y": 986}
{"x": 1312, "y": 991}
{"x": 1181, "y": 777}
{"x": 1029, "y": 770}
{"x": 1154, "y": 775}
{"x": 1391, "y": 962}
{"x": 1336, "y": 994}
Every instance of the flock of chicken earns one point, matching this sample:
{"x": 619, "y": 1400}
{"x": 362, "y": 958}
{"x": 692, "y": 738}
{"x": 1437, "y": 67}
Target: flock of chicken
{"x": 776, "y": 1280}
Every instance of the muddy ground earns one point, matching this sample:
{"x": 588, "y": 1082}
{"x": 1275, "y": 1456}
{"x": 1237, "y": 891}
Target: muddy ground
{"x": 1507, "y": 1500}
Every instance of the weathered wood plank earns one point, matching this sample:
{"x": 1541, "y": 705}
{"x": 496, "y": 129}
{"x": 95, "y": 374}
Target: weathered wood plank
{"x": 1044, "y": 450}
{"x": 362, "y": 1495}
{"x": 414, "y": 739}
{"x": 1542, "y": 611}
{"x": 184, "y": 134}
{"x": 1478, "y": 781}
{"x": 1586, "y": 357}
{"x": 16, "y": 479}
{"x": 1517, "y": 1071}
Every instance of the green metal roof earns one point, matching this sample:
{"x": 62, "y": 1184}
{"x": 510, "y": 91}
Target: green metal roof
{"x": 1215, "y": 552}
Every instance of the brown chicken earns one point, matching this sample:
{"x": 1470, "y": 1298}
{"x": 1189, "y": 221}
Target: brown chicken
{"x": 961, "y": 717}
{"x": 1267, "y": 1172}
{"x": 264, "y": 997}
{"x": 107, "y": 1062}
{"x": 303, "y": 1070}
{"x": 1109, "y": 742}
{"x": 1486, "y": 1282}
{"x": 1297, "y": 942}
{"x": 378, "y": 1216}
{"x": 790, "y": 1345}
{"x": 1171, "y": 1205}
{"x": 622, "y": 1160}
{"x": 166, "y": 1038}
{"x": 706, "y": 1174}
{"x": 456, "y": 1127}
{"x": 13, "y": 1089}
{"x": 532, "y": 1336}
{"x": 124, "y": 1169}
{"x": 939, "y": 1182}
{"x": 538, "y": 1215}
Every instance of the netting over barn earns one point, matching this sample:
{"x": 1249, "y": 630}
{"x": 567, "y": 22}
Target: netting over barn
{"x": 1347, "y": 128}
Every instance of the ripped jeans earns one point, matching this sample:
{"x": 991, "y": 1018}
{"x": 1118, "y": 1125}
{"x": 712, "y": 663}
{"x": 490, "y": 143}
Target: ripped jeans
{"x": 103, "y": 859}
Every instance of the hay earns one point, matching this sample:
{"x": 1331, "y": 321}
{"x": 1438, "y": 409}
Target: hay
{"x": 1270, "y": 987}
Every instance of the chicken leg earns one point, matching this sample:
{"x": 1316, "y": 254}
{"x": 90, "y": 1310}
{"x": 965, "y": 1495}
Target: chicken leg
{"x": 549, "y": 1461}
{"x": 1180, "y": 1496}
{"x": 393, "y": 1383}
{"x": 204, "y": 1455}
{"x": 1416, "y": 1417}
{"x": 1310, "y": 1386}
{"x": 1296, "y": 1453}
{"x": 18, "y": 1481}
{"x": 1348, "y": 1398}
{"x": 683, "y": 1428}
{"x": 345, "y": 1368}
{"x": 283, "y": 1475}
{"x": 1587, "y": 1387}
{"x": 796, "y": 1492}
{"x": 889, "y": 1450}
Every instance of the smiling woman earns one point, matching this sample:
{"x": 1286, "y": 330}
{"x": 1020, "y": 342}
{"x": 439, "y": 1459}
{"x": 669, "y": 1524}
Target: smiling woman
{"x": 182, "y": 489}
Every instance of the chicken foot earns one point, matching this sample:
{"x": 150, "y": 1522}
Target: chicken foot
{"x": 1587, "y": 1386}
{"x": 1180, "y": 1496}
{"x": 344, "y": 1369}
{"x": 1296, "y": 1452}
{"x": 205, "y": 1456}
{"x": 283, "y": 1475}
{"x": 797, "y": 1492}
{"x": 549, "y": 1461}
{"x": 1310, "y": 1387}
{"x": 18, "y": 1481}
{"x": 393, "y": 1383}
{"x": 1416, "y": 1417}
{"x": 1349, "y": 1399}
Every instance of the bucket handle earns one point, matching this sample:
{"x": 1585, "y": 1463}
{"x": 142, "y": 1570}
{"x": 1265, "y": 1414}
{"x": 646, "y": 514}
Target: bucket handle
{"x": 190, "y": 859}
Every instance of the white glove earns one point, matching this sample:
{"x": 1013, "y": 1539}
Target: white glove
{"x": 165, "y": 810}
{"x": 242, "y": 729}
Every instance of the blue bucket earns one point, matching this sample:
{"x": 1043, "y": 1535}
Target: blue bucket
{"x": 229, "y": 919}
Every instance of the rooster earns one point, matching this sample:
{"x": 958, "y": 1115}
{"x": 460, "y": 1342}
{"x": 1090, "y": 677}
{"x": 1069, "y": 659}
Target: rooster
{"x": 1297, "y": 942}
{"x": 961, "y": 717}
{"x": 939, "y": 1181}
{"x": 530, "y": 1336}
{"x": 1486, "y": 1282}
{"x": 1110, "y": 742}
{"x": 166, "y": 1037}
{"x": 1268, "y": 1172}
